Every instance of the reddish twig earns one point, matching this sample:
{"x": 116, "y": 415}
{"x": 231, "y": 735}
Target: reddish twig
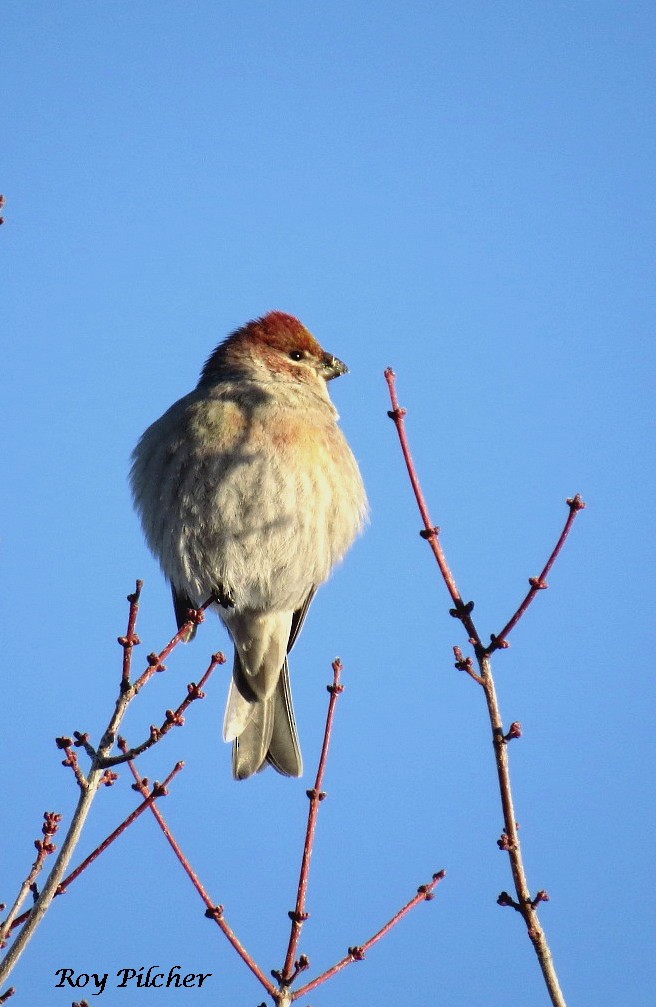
{"x": 130, "y": 640}
{"x": 172, "y": 718}
{"x": 44, "y": 848}
{"x": 98, "y": 774}
{"x": 213, "y": 911}
{"x": 539, "y": 583}
{"x": 159, "y": 790}
{"x": 66, "y": 745}
{"x": 10, "y": 992}
{"x": 461, "y": 610}
{"x": 156, "y": 661}
{"x": 298, "y": 915}
{"x": 357, "y": 953}
{"x": 509, "y": 841}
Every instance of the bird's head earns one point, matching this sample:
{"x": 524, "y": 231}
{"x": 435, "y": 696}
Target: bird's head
{"x": 276, "y": 344}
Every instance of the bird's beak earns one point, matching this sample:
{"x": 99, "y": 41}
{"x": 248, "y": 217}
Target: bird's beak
{"x": 332, "y": 367}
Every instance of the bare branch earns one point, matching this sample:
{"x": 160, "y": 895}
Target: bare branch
{"x": 98, "y": 775}
{"x": 298, "y": 915}
{"x": 509, "y": 841}
{"x": 539, "y": 583}
{"x": 159, "y": 790}
{"x": 44, "y": 848}
{"x": 461, "y": 610}
{"x": 172, "y": 718}
{"x": 213, "y": 911}
{"x": 357, "y": 953}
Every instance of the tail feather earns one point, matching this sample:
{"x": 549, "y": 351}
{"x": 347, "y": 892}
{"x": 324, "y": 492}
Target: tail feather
{"x": 259, "y": 717}
{"x": 238, "y": 712}
{"x": 249, "y": 750}
{"x": 284, "y": 750}
{"x": 262, "y": 730}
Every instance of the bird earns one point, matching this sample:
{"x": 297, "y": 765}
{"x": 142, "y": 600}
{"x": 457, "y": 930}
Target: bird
{"x": 248, "y": 493}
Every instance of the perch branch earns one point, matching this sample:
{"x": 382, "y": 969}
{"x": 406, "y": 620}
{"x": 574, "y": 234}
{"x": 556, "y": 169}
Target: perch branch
{"x": 98, "y": 774}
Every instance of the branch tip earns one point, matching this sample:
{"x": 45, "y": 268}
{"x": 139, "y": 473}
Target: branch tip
{"x": 134, "y": 597}
{"x": 575, "y": 503}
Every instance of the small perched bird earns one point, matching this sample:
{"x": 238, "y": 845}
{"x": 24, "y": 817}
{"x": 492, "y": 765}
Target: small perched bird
{"x": 248, "y": 493}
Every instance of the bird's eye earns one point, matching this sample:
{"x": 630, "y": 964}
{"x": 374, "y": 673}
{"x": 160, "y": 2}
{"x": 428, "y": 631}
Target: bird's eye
{"x": 296, "y": 354}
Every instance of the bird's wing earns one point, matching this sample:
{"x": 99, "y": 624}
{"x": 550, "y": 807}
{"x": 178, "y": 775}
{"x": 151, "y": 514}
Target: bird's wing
{"x": 181, "y": 604}
{"x": 298, "y": 619}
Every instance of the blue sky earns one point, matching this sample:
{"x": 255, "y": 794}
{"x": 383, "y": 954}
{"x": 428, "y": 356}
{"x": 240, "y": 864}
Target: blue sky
{"x": 464, "y": 192}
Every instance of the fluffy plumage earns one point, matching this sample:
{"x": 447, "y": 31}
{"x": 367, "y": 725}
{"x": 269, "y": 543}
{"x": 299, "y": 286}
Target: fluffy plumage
{"x": 247, "y": 490}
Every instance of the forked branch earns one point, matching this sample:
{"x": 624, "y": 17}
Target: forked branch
{"x": 283, "y": 995}
{"x": 99, "y": 774}
{"x": 509, "y": 842}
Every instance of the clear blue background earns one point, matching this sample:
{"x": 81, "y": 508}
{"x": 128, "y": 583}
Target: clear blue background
{"x": 463, "y": 191}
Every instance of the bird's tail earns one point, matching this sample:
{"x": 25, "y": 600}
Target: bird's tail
{"x": 262, "y": 730}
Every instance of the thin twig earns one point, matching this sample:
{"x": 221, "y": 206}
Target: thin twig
{"x": 130, "y": 640}
{"x": 172, "y": 718}
{"x": 50, "y": 888}
{"x": 213, "y": 911}
{"x": 357, "y": 953}
{"x": 539, "y": 583}
{"x": 159, "y": 790}
{"x": 298, "y": 915}
{"x": 96, "y": 777}
{"x": 44, "y": 848}
{"x": 156, "y": 661}
{"x": 509, "y": 842}
{"x": 462, "y": 610}
{"x": 525, "y": 904}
